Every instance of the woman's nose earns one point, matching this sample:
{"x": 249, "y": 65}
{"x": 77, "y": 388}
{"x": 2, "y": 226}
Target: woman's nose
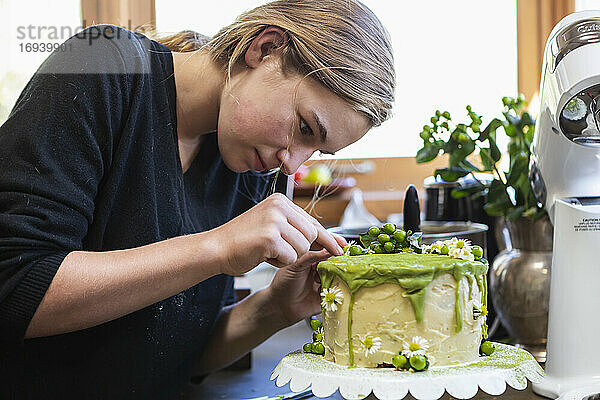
{"x": 291, "y": 159}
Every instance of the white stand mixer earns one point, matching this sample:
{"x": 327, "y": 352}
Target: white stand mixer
{"x": 565, "y": 173}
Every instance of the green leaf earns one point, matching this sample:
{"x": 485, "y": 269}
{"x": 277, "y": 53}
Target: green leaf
{"x": 526, "y": 119}
{"x": 451, "y": 174}
{"x": 486, "y": 159}
{"x": 498, "y": 201}
{"x": 460, "y": 193}
{"x": 450, "y": 146}
{"x": 493, "y": 209}
{"x": 366, "y": 240}
{"x": 415, "y": 241}
{"x": 491, "y": 127}
{"x": 428, "y": 153}
{"x": 518, "y": 167}
{"x": 534, "y": 213}
{"x": 528, "y": 134}
{"x": 515, "y": 213}
{"x": 468, "y": 165}
{"x": 494, "y": 150}
{"x": 462, "y": 152}
{"x": 513, "y": 149}
{"x": 524, "y": 190}
{"x": 510, "y": 131}
{"x": 540, "y": 212}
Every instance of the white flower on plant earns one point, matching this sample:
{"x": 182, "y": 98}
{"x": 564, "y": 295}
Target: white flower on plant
{"x": 331, "y": 298}
{"x": 417, "y": 345}
{"x": 371, "y": 344}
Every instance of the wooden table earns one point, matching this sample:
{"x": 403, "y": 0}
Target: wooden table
{"x": 246, "y": 384}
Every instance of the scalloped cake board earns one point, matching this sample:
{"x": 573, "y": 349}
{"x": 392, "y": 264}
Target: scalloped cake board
{"x": 507, "y": 365}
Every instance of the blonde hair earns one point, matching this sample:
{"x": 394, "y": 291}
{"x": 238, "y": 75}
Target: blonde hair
{"x": 340, "y": 43}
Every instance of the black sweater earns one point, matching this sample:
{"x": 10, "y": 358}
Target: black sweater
{"x": 89, "y": 161}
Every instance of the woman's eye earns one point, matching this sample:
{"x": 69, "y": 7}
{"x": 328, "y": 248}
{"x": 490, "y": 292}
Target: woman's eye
{"x": 305, "y": 129}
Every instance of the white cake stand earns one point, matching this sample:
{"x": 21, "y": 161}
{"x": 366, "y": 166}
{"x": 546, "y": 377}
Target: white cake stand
{"x": 507, "y": 365}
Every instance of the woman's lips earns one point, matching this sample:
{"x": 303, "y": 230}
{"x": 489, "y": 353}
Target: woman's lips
{"x": 260, "y": 165}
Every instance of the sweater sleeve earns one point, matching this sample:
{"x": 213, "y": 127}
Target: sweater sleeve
{"x": 55, "y": 147}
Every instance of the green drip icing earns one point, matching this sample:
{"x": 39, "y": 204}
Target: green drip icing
{"x": 413, "y": 272}
{"x": 457, "y": 310}
{"x": 470, "y": 280}
{"x": 418, "y": 302}
{"x": 484, "y": 330}
{"x": 326, "y": 280}
{"x": 485, "y": 290}
{"x": 481, "y": 285}
{"x": 484, "y": 326}
{"x": 350, "y": 345}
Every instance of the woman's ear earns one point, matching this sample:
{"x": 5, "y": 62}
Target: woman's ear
{"x": 268, "y": 42}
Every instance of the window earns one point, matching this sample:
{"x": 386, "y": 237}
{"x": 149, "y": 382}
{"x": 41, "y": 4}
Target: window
{"x": 27, "y": 34}
{"x": 581, "y": 5}
{"x": 448, "y": 54}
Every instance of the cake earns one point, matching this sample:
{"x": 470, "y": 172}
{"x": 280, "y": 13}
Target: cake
{"x": 413, "y": 301}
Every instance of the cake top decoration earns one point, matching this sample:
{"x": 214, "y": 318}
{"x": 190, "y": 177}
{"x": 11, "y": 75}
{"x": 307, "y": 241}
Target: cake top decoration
{"x": 389, "y": 240}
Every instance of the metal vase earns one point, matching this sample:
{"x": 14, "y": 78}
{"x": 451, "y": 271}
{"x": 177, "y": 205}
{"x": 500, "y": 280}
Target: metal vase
{"x": 519, "y": 284}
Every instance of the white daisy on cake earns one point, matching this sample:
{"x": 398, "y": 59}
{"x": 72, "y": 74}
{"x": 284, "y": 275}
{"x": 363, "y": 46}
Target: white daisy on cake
{"x": 417, "y": 345}
{"x": 436, "y": 247}
{"x": 330, "y": 298}
{"x": 479, "y": 309}
{"x": 451, "y": 242}
{"x": 463, "y": 244}
{"x": 462, "y": 253}
{"x": 371, "y": 344}
{"x": 318, "y": 335}
{"x": 433, "y": 248}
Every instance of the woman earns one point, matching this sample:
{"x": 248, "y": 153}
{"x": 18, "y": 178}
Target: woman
{"x": 129, "y": 186}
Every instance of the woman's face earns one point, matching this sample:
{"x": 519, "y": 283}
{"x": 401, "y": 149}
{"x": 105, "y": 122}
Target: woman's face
{"x": 261, "y": 126}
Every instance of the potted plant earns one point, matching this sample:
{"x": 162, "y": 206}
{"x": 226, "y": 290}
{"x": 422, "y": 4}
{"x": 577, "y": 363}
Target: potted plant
{"x": 519, "y": 278}
{"x": 510, "y": 194}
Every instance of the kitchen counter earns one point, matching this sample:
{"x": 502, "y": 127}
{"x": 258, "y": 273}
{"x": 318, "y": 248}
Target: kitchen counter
{"x": 246, "y": 384}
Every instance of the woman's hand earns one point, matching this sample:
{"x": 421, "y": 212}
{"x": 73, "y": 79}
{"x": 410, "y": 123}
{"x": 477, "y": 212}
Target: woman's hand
{"x": 295, "y": 288}
{"x": 275, "y": 230}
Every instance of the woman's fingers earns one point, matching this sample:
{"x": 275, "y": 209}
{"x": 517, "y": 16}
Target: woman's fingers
{"x": 317, "y": 256}
{"x": 312, "y": 258}
{"x": 302, "y": 224}
{"x": 283, "y": 254}
{"x": 296, "y": 239}
{"x": 293, "y": 232}
{"x": 324, "y": 237}
{"x": 341, "y": 241}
